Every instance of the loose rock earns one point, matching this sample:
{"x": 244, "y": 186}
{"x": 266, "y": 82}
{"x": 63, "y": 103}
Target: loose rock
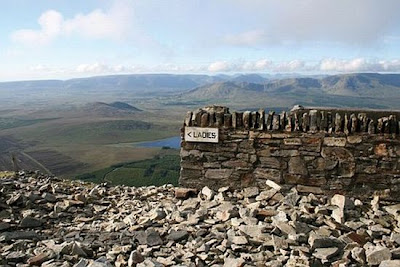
{"x": 49, "y": 222}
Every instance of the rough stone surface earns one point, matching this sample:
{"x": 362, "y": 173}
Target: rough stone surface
{"x": 343, "y": 202}
{"x": 103, "y": 226}
{"x": 338, "y": 151}
{"x": 325, "y": 253}
{"x": 375, "y": 255}
{"x": 30, "y": 222}
{"x": 390, "y": 263}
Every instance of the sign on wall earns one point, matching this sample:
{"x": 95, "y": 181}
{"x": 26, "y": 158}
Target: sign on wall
{"x": 205, "y": 135}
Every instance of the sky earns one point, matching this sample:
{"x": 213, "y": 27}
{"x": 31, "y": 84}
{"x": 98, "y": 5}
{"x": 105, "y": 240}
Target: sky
{"x": 62, "y": 39}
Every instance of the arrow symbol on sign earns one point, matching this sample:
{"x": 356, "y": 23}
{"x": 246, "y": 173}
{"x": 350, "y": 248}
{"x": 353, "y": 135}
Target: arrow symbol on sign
{"x": 189, "y": 134}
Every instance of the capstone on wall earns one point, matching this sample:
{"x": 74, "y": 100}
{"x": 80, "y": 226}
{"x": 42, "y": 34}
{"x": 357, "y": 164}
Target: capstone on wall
{"x": 346, "y": 151}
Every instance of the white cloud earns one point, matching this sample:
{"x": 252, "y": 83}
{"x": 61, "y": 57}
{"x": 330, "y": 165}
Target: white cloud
{"x": 51, "y": 26}
{"x": 359, "y": 65}
{"x": 391, "y": 65}
{"x": 98, "y": 24}
{"x": 259, "y": 65}
{"x": 262, "y": 64}
{"x": 328, "y": 66}
{"x": 92, "y": 68}
{"x": 101, "y": 68}
{"x": 290, "y": 66}
{"x": 220, "y": 66}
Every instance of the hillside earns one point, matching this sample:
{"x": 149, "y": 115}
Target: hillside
{"x": 185, "y": 89}
{"x": 123, "y": 106}
{"x": 349, "y": 90}
{"x": 230, "y": 90}
{"x": 138, "y": 83}
{"x": 114, "y": 109}
{"x": 363, "y": 85}
{"x": 52, "y": 222}
{"x": 249, "y": 78}
{"x": 89, "y": 124}
{"x": 359, "y": 84}
{"x": 356, "y": 85}
{"x": 45, "y": 93}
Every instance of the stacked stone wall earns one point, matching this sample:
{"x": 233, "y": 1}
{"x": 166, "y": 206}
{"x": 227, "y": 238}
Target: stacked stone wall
{"x": 334, "y": 151}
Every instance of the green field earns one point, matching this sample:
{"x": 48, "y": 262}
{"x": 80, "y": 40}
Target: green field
{"x": 162, "y": 169}
{"x": 87, "y": 142}
{"x": 9, "y": 123}
{"x": 97, "y": 132}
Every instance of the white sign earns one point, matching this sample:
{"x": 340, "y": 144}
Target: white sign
{"x": 205, "y": 135}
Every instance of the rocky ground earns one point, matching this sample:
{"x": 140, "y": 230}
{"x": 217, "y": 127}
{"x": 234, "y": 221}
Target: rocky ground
{"x": 46, "y": 221}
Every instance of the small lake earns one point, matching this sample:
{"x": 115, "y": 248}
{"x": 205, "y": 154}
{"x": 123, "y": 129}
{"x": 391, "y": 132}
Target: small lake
{"x": 172, "y": 142}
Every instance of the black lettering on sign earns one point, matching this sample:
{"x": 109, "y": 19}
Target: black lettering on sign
{"x": 204, "y": 135}
{"x": 193, "y": 134}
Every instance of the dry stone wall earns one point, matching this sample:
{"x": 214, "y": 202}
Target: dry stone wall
{"x": 344, "y": 151}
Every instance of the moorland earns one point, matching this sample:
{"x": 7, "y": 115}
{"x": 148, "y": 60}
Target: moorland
{"x": 91, "y": 128}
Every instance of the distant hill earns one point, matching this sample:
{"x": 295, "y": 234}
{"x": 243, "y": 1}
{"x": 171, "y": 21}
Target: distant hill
{"x": 108, "y": 110}
{"x": 249, "y": 78}
{"x": 224, "y": 90}
{"x": 343, "y": 89}
{"x": 360, "y": 84}
{"x": 363, "y": 85}
{"x": 292, "y": 85}
{"x": 363, "y": 90}
{"x": 123, "y": 106}
{"x": 138, "y": 83}
{"x": 142, "y": 82}
{"x": 55, "y": 93}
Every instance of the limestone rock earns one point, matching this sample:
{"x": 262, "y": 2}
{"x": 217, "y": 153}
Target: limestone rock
{"x": 49, "y": 197}
{"x": 40, "y": 258}
{"x": 358, "y": 254}
{"x": 233, "y": 262}
{"x": 135, "y": 258}
{"x": 390, "y": 263}
{"x": 30, "y": 222}
{"x": 375, "y": 255}
{"x": 102, "y": 226}
{"x": 16, "y": 256}
{"x": 4, "y": 226}
{"x": 342, "y": 202}
{"x": 153, "y": 238}
{"x": 207, "y": 193}
{"x": 251, "y": 192}
{"x": 325, "y": 253}
{"x": 273, "y": 185}
{"x": 177, "y": 235}
{"x": 184, "y": 193}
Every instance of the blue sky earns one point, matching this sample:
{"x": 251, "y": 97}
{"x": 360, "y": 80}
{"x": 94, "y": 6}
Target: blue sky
{"x": 48, "y": 39}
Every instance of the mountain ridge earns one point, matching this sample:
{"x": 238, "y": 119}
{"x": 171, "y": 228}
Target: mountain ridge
{"x": 342, "y": 84}
{"x": 363, "y": 85}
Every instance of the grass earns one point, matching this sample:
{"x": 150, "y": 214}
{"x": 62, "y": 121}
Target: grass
{"x": 9, "y": 123}
{"x": 161, "y": 169}
{"x": 98, "y": 133}
{"x": 4, "y": 174}
{"x": 91, "y": 140}
{"x": 96, "y": 176}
